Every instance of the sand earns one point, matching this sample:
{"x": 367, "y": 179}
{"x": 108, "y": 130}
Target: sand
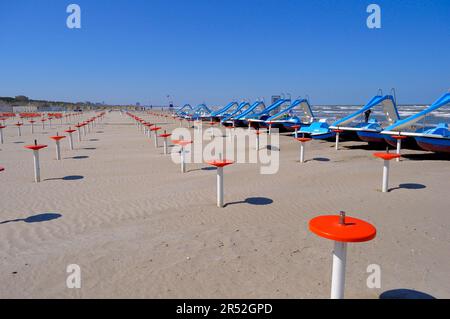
{"x": 138, "y": 228}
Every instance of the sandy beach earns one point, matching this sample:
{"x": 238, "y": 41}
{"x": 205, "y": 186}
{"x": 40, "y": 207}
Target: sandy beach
{"x": 138, "y": 228}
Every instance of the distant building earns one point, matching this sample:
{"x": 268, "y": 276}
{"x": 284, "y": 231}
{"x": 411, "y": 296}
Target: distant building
{"x": 19, "y": 109}
{"x": 274, "y": 99}
{"x": 5, "y": 108}
{"x": 48, "y": 108}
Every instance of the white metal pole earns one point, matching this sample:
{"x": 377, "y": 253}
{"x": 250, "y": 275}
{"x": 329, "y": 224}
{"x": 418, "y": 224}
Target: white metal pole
{"x": 32, "y": 128}
{"x": 220, "y": 187}
{"x": 399, "y": 147}
{"x": 270, "y": 129}
{"x": 71, "y": 141}
{"x": 58, "y": 151}
{"x": 183, "y": 165}
{"x": 156, "y": 139}
{"x": 79, "y": 134}
{"x": 1, "y": 136}
{"x": 338, "y": 272}
{"x": 257, "y": 141}
{"x": 20, "y": 133}
{"x": 337, "y": 141}
{"x": 165, "y": 146}
{"x": 296, "y": 133}
{"x": 37, "y": 169}
{"x": 385, "y": 176}
{"x": 302, "y": 152}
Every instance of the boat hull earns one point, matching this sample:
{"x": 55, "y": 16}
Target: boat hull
{"x": 408, "y": 142}
{"x": 438, "y": 145}
{"x": 371, "y": 137}
{"x": 328, "y": 136}
{"x": 240, "y": 123}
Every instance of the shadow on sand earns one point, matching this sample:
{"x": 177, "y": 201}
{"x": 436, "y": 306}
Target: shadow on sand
{"x": 207, "y": 168}
{"x": 66, "y": 178}
{"x": 273, "y": 148}
{"x": 368, "y": 147}
{"x": 35, "y": 219}
{"x": 408, "y": 186}
{"x": 428, "y": 157}
{"x": 319, "y": 159}
{"x": 405, "y": 294}
{"x": 259, "y": 201}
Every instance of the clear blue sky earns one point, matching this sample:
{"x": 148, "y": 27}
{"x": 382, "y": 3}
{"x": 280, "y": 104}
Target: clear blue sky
{"x": 212, "y": 51}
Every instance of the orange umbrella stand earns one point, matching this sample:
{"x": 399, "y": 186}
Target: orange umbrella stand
{"x": 338, "y": 132}
{"x": 37, "y": 170}
{"x": 1, "y": 134}
{"x": 19, "y": 132}
{"x": 70, "y": 131}
{"x": 386, "y": 157}
{"x": 399, "y": 139}
{"x": 220, "y": 165}
{"x": 295, "y": 127}
{"x": 155, "y": 130}
{"x": 58, "y": 138}
{"x": 183, "y": 144}
{"x": 341, "y": 230}
{"x": 165, "y": 136}
{"x": 302, "y": 141}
